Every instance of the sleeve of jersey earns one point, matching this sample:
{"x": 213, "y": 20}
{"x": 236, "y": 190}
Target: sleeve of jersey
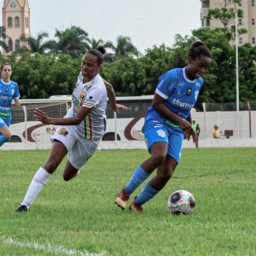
{"x": 16, "y": 95}
{"x": 165, "y": 87}
{"x": 92, "y": 98}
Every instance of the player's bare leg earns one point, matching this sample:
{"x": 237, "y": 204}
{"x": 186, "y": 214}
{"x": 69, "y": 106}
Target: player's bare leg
{"x": 164, "y": 173}
{"x": 42, "y": 175}
{"x": 69, "y": 172}
{"x": 158, "y": 155}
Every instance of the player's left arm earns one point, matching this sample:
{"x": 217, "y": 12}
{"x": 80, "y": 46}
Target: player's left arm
{"x": 90, "y": 100}
{"x": 17, "y": 102}
{"x": 189, "y": 119}
{"x": 112, "y": 98}
{"x": 16, "y": 95}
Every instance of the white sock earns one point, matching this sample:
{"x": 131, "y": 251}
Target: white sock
{"x": 36, "y": 185}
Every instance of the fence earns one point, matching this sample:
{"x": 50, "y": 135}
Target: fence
{"x": 126, "y": 126}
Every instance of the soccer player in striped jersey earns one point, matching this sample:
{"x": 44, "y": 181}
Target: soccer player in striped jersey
{"x": 82, "y": 128}
{"x": 165, "y": 123}
{"x": 9, "y": 90}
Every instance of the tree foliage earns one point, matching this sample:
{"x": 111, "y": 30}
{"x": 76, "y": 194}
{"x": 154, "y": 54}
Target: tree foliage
{"x": 50, "y": 68}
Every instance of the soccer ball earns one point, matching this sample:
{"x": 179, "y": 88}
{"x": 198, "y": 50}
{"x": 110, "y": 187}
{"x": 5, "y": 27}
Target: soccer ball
{"x": 181, "y": 202}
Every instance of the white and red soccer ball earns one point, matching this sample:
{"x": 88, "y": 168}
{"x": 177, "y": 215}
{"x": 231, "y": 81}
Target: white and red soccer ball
{"x": 181, "y": 202}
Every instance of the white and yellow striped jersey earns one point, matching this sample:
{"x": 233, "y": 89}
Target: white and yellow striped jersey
{"x": 92, "y": 94}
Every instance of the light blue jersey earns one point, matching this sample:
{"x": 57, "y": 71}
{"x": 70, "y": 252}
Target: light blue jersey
{"x": 8, "y": 92}
{"x": 180, "y": 94}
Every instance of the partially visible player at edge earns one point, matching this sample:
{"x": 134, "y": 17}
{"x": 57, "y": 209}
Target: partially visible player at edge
{"x": 9, "y": 90}
{"x": 80, "y": 130}
{"x": 165, "y": 123}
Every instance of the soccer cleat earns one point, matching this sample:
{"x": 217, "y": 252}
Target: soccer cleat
{"x": 121, "y": 199}
{"x": 135, "y": 207}
{"x": 22, "y": 208}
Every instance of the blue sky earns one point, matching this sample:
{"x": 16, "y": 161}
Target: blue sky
{"x": 146, "y": 22}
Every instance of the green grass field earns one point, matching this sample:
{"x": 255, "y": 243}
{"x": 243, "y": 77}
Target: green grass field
{"x": 80, "y": 218}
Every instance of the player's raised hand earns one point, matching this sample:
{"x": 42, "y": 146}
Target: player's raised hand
{"x": 41, "y": 116}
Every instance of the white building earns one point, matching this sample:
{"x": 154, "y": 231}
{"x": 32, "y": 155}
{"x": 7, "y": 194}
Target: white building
{"x": 16, "y": 21}
{"x": 248, "y": 21}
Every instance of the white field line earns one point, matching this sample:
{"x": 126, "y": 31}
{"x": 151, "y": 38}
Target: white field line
{"x": 47, "y": 247}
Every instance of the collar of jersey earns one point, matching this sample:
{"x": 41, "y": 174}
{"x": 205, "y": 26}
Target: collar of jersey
{"x": 89, "y": 83}
{"x": 185, "y": 77}
{"x": 4, "y": 82}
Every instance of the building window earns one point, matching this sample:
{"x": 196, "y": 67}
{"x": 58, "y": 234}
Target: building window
{"x": 240, "y": 40}
{"x": 17, "y": 43}
{"x": 253, "y": 21}
{"x": 9, "y": 21}
{"x": 253, "y": 3}
{"x": 253, "y": 40}
{"x": 240, "y": 22}
{"x": 205, "y": 3}
{"x": 10, "y": 45}
{"x": 17, "y": 22}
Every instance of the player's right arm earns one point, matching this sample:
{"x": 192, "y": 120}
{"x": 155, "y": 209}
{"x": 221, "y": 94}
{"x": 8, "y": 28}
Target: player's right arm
{"x": 75, "y": 120}
{"x": 159, "y": 106}
{"x": 90, "y": 100}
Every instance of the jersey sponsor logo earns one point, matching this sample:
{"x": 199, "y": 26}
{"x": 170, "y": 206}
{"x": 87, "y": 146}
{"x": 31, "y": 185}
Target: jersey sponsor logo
{"x": 182, "y": 105}
{"x": 3, "y": 97}
{"x": 161, "y": 133}
{"x": 189, "y": 91}
{"x": 6, "y": 89}
{"x": 198, "y": 84}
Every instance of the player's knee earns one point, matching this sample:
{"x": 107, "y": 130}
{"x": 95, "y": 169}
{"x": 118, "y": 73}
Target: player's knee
{"x": 52, "y": 164}
{"x": 165, "y": 176}
{"x": 66, "y": 177}
{"x": 158, "y": 159}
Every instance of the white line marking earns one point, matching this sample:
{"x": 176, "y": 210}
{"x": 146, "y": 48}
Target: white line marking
{"x": 47, "y": 247}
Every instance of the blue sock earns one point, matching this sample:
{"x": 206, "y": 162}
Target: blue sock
{"x": 137, "y": 178}
{"x": 146, "y": 194}
{"x": 3, "y": 139}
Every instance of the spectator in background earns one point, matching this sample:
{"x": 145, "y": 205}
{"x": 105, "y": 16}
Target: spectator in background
{"x": 196, "y": 128}
{"x": 216, "y": 132}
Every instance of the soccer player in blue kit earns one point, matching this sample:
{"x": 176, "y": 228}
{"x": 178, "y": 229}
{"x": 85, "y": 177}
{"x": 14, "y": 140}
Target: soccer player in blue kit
{"x": 9, "y": 90}
{"x": 165, "y": 123}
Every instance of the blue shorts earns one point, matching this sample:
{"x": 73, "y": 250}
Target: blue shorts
{"x": 155, "y": 131}
{"x": 4, "y": 122}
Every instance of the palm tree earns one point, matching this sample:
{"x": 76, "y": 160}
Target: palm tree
{"x": 124, "y": 47}
{"x": 3, "y": 45}
{"x": 94, "y": 44}
{"x": 73, "y": 41}
{"x": 37, "y": 44}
